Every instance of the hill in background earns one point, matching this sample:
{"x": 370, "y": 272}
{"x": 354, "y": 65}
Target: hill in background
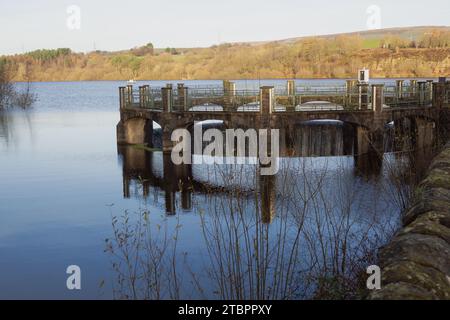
{"x": 396, "y": 52}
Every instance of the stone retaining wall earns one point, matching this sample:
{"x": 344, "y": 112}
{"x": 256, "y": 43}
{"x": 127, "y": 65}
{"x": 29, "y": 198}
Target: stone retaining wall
{"x": 416, "y": 263}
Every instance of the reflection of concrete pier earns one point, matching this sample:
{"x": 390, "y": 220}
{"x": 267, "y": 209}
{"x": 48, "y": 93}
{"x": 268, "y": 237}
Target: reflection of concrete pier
{"x": 267, "y": 192}
{"x": 137, "y": 167}
{"x": 174, "y": 180}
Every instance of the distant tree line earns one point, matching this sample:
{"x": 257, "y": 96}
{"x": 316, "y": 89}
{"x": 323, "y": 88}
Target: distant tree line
{"x": 315, "y": 57}
{"x": 44, "y": 55}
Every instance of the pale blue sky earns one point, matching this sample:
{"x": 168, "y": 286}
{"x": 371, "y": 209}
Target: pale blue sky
{"x": 114, "y": 25}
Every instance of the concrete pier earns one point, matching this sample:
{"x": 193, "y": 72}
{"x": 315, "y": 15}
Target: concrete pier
{"x": 412, "y": 88}
{"x": 173, "y": 111}
{"x": 267, "y": 100}
{"x": 399, "y": 86}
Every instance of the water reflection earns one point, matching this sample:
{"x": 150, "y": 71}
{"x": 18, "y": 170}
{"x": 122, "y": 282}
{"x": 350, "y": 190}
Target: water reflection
{"x": 65, "y": 150}
{"x": 308, "y": 232}
{"x": 4, "y": 126}
{"x": 143, "y": 170}
{"x": 12, "y": 120}
{"x": 292, "y": 236}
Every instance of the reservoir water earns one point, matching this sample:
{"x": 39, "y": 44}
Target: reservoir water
{"x": 140, "y": 228}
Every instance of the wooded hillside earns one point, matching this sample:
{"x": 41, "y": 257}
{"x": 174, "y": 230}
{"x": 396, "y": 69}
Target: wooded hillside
{"x": 425, "y": 55}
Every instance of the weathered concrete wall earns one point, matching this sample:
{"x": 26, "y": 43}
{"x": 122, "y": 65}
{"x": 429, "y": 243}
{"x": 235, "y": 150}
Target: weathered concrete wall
{"x": 416, "y": 263}
{"x": 135, "y": 131}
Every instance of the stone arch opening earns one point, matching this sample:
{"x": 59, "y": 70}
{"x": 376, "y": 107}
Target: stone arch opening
{"x": 204, "y": 125}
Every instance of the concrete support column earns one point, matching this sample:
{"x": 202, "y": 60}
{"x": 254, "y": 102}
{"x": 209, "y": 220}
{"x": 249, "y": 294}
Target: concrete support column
{"x": 142, "y": 97}
{"x": 377, "y": 97}
{"x": 290, "y": 88}
{"x": 447, "y": 91}
{"x": 267, "y": 100}
{"x": 148, "y": 139}
{"x": 369, "y": 151}
{"x": 182, "y": 97}
{"x": 399, "y": 86}
{"x": 129, "y": 95}
{"x": 146, "y": 99}
{"x": 167, "y": 127}
{"x": 225, "y": 85}
{"x": 362, "y": 141}
{"x": 120, "y": 133}
{"x": 438, "y": 94}
{"x": 363, "y": 95}
{"x": 229, "y": 88}
{"x": 135, "y": 131}
{"x": 167, "y": 98}
{"x": 350, "y": 86}
{"x": 229, "y": 91}
{"x": 400, "y": 132}
{"x": 122, "y": 97}
{"x": 424, "y": 134}
{"x": 422, "y": 92}
{"x": 430, "y": 90}
{"x": 167, "y": 143}
{"x": 369, "y": 141}
{"x": 412, "y": 88}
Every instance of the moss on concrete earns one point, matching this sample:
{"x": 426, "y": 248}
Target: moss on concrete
{"x": 416, "y": 263}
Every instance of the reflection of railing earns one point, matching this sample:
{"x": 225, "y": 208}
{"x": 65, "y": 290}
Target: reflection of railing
{"x": 294, "y": 98}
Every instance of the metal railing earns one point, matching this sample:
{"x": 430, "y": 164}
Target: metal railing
{"x": 302, "y": 98}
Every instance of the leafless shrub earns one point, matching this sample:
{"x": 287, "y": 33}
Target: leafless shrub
{"x": 143, "y": 257}
{"x": 9, "y": 94}
{"x": 309, "y": 232}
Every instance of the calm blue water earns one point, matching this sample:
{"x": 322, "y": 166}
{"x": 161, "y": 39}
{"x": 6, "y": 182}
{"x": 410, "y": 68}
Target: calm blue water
{"x": 61, "y": 180}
